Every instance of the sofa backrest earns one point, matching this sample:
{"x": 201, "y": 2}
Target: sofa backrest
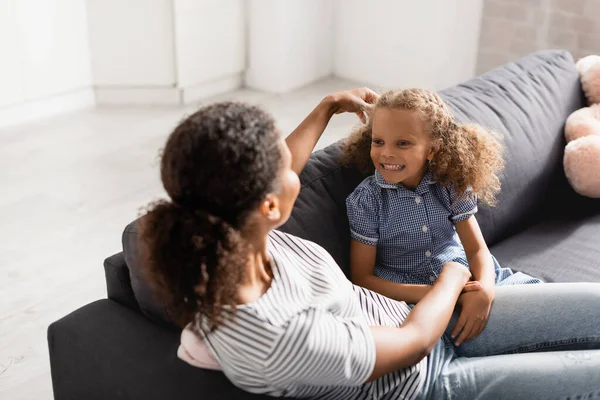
{"x": 527, "y": 101}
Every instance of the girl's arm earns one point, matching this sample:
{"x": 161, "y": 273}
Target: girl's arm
{"x": 475, "y": 306}
{"x": 362, "y": 264}
{"x": 478, "y": 254}
{"x": 303, "y": 139}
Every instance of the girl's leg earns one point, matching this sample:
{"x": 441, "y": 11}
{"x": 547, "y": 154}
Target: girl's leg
{"x": 550, "y": 375}
{"x": 525, "y": 318}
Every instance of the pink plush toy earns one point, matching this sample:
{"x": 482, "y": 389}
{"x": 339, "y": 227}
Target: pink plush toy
{"x": 589, "y": 74}
{"x": 582, "y": 165}
{"x": 582, "y": 131}
{"x": 583, "y": 122}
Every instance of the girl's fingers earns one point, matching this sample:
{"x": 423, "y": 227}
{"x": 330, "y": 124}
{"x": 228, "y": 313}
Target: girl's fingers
{"x": 476, "y": 330}
{"x": 465, "y": 332}
{"x": 460, "y": 324}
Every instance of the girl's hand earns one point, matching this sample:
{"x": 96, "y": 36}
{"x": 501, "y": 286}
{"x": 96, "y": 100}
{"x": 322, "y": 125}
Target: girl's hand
{"x": 476, "y": 305}
{"x": 359, "y": 101}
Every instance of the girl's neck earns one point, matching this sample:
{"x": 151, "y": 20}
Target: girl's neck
{"x": 412, "y": 184}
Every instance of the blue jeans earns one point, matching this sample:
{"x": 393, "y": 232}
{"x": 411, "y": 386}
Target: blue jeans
{"x": 558, "y": 325}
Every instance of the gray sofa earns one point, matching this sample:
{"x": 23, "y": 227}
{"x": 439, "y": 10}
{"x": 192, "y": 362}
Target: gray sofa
{"x": 121, "y": 347}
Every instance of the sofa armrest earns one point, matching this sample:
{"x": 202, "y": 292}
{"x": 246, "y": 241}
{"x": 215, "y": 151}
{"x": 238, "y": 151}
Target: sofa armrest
{"x": 107, "y": 351}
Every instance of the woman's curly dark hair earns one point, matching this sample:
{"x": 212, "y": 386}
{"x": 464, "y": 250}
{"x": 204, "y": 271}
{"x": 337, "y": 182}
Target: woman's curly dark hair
{"x": 467, "y": 155}
{"x": 216, "y": 167}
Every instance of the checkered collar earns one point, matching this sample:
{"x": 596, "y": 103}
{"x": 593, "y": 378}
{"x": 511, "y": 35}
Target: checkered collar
{"x": 423, "y": 186}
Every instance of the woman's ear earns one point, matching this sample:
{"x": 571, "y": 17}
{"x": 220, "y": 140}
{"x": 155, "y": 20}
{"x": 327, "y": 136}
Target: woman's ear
{"x": 270, "y": 208}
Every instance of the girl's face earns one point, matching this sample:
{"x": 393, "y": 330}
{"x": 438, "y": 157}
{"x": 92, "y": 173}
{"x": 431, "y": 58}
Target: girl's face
{"x": 400, "y": 146}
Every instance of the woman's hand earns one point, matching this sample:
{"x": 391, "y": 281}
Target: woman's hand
{"x": 359, "y": 101}
{"x": 303, "y": 139}
{"x": 472, "y": 286}
{"x": 476, "y": 302}
{"x": 408, "y": 344}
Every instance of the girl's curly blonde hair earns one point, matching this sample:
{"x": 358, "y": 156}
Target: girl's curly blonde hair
{"x": 467, "y": 155}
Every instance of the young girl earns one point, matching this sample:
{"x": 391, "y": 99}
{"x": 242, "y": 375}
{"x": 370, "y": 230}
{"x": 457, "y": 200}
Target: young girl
{"x": 416, "y": 212}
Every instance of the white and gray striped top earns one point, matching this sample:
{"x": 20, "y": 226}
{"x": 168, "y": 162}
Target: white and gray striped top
{"x": 308, "y": 335}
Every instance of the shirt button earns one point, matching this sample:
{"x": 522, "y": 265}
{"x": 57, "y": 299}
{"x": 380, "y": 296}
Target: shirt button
{"x": 432, "y": 278}
{"x": 428, "y": 253}
{"x": 417, "y": 199}
{"x": 424, "y": 228}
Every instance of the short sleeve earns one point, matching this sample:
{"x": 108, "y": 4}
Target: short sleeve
{"x": 362, "y": 207}
{"x": 462, "y": 207}
{"x": 322, "y": 349}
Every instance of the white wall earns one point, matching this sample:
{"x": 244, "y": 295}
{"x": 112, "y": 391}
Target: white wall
{"x": 209, "y": 40}
{"x": 400, "y": 43}
{"x": 290, "y": 43}
{"x": 165, "y": 51}
{"x": 132, "y": 43}
{"x": 11, "y": 80}
{"x": 45, "y": 49}
{"x": 45, "y": 66}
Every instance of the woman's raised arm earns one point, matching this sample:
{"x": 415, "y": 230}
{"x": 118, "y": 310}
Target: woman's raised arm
{"x": 303, "y": 139}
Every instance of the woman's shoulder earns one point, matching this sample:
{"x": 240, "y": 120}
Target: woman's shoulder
{"x": 303, "y": 254}
{"x": 282, "y": 240}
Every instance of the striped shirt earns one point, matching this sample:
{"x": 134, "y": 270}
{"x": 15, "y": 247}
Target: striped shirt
{"x": 308, "y": 335}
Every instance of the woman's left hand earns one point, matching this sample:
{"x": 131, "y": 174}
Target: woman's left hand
{"x": 359, "y": 101}
{"x": 474, "y": 315}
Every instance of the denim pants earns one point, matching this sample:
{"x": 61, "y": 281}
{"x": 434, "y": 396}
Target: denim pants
{"x": 556, "y": 325}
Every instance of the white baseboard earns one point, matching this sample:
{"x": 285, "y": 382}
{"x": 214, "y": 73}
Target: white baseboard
{"x": 192, "y": 94}
{"x": 32, "y": 110}
{"x": 166, "y": 95}
{"x": 120, "y": 96}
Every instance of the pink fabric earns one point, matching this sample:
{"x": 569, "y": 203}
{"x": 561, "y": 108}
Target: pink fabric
{"x": 589, "y": 74}
{"x": 194, "y": 351}
{"x": 583, "y": 122}
{"x": 581, "y": 161}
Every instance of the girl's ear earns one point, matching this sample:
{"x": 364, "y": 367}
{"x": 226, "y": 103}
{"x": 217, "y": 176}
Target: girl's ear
{"x": 433, "y": 149}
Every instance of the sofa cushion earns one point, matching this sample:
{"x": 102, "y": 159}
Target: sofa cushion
{"x": 557, "y": 250}
{"x": 527, "y": 101}
{"x": 149, "y": 305}
{"x": 319, "y": 213}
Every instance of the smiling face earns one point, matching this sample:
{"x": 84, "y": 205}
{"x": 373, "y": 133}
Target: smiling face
{"x": 400, "y": 146}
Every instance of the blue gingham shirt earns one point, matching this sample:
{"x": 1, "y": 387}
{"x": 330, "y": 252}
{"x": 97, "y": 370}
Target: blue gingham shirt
{"x": 414, "y": 230}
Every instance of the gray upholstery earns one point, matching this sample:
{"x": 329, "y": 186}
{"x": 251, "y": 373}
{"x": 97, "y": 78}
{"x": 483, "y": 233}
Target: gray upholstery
{"x": 528, "y": 102}
{"x": 108, "y": 350}
{"x": 119, "y": 354}
{"x": 556, "y": 250}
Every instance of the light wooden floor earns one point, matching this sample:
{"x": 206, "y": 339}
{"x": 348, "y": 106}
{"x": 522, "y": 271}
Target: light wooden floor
{"x": 69, "y": 186}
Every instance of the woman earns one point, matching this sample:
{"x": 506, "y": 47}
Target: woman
{"x": 281, "y": 318}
